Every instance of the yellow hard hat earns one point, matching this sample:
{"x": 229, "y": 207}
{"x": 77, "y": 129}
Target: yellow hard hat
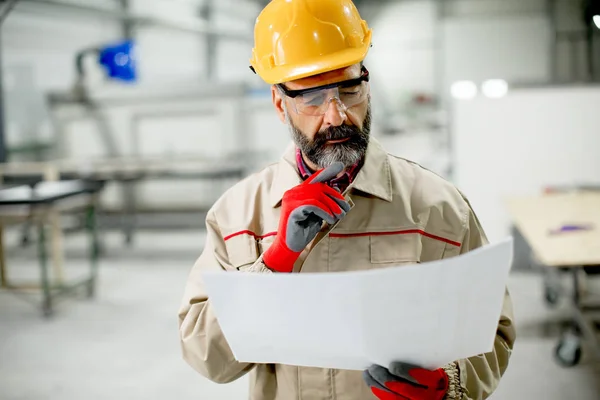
{"x": 299, "y": 38}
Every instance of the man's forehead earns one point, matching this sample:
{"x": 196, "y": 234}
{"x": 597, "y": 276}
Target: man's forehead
{"x": 338, "y": 75}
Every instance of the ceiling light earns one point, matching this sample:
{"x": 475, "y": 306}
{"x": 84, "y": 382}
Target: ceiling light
{"x": 464, "y": 90}
{"x": 494, "y": 88}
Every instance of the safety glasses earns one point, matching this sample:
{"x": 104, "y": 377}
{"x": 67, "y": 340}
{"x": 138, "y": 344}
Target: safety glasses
{"x": 315, "y": 101}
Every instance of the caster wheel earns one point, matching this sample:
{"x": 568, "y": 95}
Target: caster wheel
{"x": 568, "y": 350}
{"x": 551, "y": 296}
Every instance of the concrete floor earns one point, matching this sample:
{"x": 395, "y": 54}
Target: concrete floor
{"x": 124, "y": 344}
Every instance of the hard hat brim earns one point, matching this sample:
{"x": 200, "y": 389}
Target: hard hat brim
{"x": 287, "y": 73}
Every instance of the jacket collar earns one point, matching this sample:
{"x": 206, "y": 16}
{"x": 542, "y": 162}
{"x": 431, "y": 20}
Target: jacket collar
{"x": 373, "y": 178}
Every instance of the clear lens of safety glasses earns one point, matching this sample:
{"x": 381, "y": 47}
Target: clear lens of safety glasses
{"x": 315, "y": 101}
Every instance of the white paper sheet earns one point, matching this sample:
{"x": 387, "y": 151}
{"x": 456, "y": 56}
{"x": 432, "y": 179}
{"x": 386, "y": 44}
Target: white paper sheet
{"x": 427, "y": 314}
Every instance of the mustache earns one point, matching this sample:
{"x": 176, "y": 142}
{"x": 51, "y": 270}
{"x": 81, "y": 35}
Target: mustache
{"x": 336, "y": 133}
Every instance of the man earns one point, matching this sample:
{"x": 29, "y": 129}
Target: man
{"x": 336, "y": 201}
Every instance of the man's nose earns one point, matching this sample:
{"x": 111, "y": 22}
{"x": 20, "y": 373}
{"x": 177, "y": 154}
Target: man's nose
{"x": 335, "y": 114}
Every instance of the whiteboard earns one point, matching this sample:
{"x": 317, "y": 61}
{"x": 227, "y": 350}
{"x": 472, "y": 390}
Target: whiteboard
{"x": 519, "y": 144}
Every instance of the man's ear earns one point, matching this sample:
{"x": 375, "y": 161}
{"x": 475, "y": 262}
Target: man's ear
{"x": 278, "y": 103}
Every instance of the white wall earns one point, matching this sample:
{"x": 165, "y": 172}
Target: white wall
{"x": 403, "y": 54}
{"x": 520, "y": 144}
{"x": 477, "y": 40}
{"x": 479, "y": 8}
{"x": 420, "y": 48}
{"x": 514, "y": 48}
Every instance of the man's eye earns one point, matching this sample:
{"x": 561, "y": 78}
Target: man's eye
{"x": 314, "y": 100}
{"x": 350, "y": 95}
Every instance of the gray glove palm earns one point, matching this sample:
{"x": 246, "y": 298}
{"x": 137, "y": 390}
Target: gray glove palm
{"x": 303, "y": 210}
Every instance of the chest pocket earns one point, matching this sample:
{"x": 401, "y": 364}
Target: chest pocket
{"x": 351, "y": 252}
{"x": 242, "y": 250}
{"x": 394, "y": 248}
{"x": 408, "y": 246}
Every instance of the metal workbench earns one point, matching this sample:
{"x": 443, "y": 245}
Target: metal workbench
{"x": 127, "y": 172}
{"x": 40, "y": 204}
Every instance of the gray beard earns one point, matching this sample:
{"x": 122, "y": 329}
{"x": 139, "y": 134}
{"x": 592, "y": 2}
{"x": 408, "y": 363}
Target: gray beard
{"x": 322, "y": 154}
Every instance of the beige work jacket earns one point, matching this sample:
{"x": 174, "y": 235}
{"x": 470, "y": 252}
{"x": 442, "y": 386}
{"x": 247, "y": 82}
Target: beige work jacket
{"x": 401, "y": 214}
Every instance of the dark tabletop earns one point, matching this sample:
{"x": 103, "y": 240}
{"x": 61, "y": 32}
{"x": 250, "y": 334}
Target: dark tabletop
{"x": 46, "y": 192}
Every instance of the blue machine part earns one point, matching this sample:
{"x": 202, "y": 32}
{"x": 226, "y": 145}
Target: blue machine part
{"x": 119, "y": 60}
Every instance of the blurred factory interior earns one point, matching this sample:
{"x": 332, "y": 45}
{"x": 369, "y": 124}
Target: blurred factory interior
{"x": 152, "y": 105}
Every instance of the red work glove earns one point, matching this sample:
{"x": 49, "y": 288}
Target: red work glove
{"x": 406, "y": 382}
{"x": 303, "y": 210}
